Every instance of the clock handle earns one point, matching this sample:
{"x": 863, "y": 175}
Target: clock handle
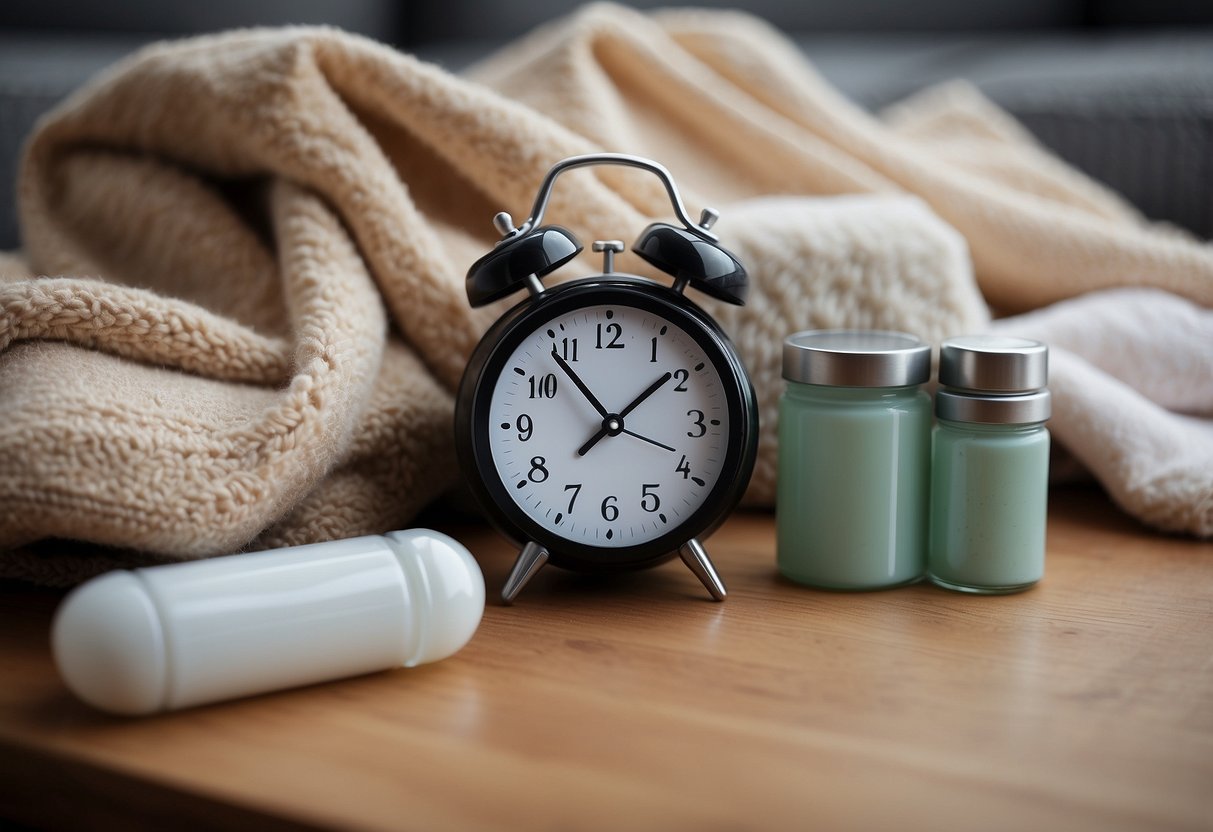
{"x": 697, "y": 560}
{"x": 707, "y": 218}
{"x": 530, "y": 560}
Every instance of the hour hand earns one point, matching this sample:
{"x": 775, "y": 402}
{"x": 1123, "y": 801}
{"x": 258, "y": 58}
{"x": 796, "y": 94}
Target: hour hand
{"x": 650, "y": 390}
{"x": 592, "y": 441}
{"x": 612, "y": 425}
{"x": 585, "y": 391}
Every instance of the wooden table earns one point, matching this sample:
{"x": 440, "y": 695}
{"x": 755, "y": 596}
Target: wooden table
{"x": 633, "y": 703}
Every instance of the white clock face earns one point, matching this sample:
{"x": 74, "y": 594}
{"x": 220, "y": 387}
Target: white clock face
{"x": 609, "y": 426}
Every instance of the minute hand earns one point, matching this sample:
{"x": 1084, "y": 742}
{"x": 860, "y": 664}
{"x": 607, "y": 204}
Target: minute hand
{"x": 585, "y": 391}
{"x": 603, "y": 431}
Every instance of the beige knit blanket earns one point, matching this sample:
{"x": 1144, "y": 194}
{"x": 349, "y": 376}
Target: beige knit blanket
{"x": 239, "y": 317}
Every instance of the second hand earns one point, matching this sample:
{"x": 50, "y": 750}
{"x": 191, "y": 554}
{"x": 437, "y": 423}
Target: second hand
{"x": 646, "y": 439}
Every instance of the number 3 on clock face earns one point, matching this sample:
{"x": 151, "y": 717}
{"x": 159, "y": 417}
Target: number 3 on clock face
{"x": 611, "y": 422}
{"x": 606, "y": 423}
{"x": 649, "y": 470}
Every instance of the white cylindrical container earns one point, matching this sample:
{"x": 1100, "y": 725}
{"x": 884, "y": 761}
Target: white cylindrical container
{"x": 185, "y": 634}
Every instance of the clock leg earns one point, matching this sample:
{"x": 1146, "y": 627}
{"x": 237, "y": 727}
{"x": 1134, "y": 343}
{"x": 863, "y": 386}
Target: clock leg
{"x": 530, "y": 560}
{"x": 697, "y": 560}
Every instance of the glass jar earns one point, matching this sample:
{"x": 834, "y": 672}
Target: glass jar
{"x": 854, "y": 451}
{"x": 990, "y": 465}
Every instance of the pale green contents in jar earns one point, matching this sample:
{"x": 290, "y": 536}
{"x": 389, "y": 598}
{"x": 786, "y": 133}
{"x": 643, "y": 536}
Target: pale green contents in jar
{"x": 853, "y": 485}
{"x": 989, "y": 502}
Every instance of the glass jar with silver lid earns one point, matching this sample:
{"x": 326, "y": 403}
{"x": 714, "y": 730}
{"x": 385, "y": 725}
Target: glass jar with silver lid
{"x": 990, "y": 465}
{"x": 854, "y": 451}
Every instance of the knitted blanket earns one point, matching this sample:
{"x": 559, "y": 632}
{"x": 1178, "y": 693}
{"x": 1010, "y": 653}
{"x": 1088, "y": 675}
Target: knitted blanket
{"x": 238, "y": 318}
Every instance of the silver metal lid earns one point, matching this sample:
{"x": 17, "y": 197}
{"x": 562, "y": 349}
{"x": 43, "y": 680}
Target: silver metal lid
{"x": 994, "y": 410}
{"x": 856, "y": 358}
{"x": 993, "y": 364}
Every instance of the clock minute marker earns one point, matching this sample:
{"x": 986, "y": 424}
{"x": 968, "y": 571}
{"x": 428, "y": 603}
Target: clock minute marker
{"x": 576, "y": 308}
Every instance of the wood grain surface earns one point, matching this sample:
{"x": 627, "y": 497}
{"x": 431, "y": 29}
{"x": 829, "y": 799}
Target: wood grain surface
{"x": 634, "y": 703}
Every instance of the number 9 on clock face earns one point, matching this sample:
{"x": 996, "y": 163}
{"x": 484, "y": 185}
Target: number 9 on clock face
{"x": 610, "y": 422}
{"x": 650, "y": 468}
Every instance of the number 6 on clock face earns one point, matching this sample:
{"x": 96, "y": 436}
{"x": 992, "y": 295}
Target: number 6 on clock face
{"x": 638, "y": 481}
{"x": 608, "y": 422}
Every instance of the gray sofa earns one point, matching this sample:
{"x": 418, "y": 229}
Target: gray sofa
{"x": 1123, "y": 90}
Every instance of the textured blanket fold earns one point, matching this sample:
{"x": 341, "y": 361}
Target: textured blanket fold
{"x": 238, "y": 319}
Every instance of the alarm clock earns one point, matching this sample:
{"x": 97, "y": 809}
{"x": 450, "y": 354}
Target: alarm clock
{"x": 606, "y": 423}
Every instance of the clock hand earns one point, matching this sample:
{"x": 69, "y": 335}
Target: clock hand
{"x": 648, "y": 391}
{"x": 585, "y": 391}
{"x": 614, "y": 424}
{"x": 592, "y": 441}
{"x": 646, "y": 439}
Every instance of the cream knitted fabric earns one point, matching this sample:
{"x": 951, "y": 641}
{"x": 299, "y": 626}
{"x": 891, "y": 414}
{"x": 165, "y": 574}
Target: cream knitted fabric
{"x": 741, "y": 105}
{"x": 251, "y": 319}
{"x": 1132, "y": 378}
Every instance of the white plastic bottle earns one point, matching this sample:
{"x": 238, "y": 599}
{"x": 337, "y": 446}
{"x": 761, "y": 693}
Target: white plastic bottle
{"x": 169, "y": 637}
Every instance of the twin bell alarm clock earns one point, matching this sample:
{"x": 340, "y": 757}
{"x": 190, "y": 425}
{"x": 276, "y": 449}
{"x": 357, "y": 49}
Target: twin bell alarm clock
{"x": 606, "y": 423}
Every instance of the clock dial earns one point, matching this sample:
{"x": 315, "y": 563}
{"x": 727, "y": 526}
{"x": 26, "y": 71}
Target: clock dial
{"x": 608, "y": 425}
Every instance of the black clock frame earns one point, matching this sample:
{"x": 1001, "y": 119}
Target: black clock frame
{"x": 472, "y": 426}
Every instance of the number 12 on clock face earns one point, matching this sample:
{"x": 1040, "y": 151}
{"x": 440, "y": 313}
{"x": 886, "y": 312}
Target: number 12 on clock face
{"x": 609, "y": 425}
{"x": 606, "y": 423}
